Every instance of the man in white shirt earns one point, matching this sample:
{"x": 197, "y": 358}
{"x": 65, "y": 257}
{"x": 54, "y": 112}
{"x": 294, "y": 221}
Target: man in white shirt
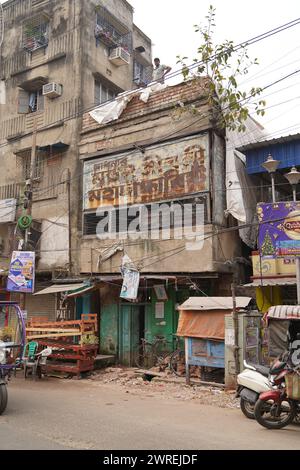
{"x": 160, "y": 71}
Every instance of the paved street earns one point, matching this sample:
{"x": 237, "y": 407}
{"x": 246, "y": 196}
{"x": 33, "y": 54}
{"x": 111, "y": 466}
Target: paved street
{"x": 63, "y": 414}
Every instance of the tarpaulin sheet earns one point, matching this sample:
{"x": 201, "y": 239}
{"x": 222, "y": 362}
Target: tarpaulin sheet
{"x": 209, "y": 325}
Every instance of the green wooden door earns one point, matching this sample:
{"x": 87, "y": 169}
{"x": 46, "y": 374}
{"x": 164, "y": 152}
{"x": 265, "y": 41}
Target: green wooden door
{"x": 129, "y": 333}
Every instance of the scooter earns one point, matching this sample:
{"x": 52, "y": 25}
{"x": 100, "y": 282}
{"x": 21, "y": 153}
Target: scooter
{"x": 252, "y": 381}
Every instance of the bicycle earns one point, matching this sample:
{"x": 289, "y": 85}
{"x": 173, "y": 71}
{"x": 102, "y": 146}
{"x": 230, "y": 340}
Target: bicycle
{"x": 150, "y": 354}
{"x": 177, "y": 360}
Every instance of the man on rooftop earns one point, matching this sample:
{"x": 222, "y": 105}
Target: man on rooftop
{"x": 160, "y": 71}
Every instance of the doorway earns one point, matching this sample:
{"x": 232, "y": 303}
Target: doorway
{"x": 131, "y": 331}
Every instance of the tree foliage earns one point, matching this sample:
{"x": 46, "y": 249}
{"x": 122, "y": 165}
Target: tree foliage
{"x": 224, "y": 64}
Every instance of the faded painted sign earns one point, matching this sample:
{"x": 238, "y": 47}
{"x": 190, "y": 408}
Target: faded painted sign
{"x": 168, "y": 171}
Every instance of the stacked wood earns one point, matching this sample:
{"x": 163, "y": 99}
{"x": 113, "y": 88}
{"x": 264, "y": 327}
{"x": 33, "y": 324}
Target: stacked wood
{"x": 70, "y": 354}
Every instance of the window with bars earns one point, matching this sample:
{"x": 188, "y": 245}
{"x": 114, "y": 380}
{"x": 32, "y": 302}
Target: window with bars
{"x": 24, "y": 163}
{"x": 142, "y": 74}
{"x": 36, "y": 33}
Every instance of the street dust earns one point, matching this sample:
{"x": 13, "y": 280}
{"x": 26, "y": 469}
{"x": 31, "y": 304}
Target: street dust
{"x": 165, "y": 386}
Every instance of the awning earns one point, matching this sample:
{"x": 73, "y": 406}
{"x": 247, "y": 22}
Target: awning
{"x": 273, "y": 281}
{"x": 214, "y": 303}
{"x": 208, "y": 325}
{"x": 283, "y": 312}
{"x": 74, "y": 288}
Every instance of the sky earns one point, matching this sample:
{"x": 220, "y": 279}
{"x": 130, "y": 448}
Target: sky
{"x": 170, "y": 25}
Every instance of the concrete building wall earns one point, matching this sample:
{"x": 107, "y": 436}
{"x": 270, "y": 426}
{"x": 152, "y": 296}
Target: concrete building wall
{"x": 72, "y": 60}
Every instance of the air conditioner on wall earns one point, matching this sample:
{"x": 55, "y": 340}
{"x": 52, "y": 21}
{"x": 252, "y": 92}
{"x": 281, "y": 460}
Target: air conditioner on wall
{"x": 119, "y": 56}
{"x": 52, "y": 90}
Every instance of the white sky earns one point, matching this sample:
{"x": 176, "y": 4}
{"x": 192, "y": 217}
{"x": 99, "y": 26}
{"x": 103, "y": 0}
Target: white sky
{"x": 169, "y": 23}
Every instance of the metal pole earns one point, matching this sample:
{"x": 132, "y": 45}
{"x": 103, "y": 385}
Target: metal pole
{"x": 69, "y": 220}
{"x": 273, "y": 187}
{"x": 236, "y": 330}
{"x": 298, "y": 279}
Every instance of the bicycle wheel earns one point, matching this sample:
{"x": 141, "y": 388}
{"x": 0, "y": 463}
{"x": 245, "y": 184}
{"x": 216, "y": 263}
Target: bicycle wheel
{"x": 144, "y": 358}
{"x": 177, "y": 363}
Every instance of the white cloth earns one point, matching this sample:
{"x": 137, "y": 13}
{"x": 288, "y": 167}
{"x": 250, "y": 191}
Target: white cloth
{"x": 241, "y": 198}
{"x": 112, "y": 110}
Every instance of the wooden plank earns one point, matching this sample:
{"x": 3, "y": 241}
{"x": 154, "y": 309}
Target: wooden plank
{"x": 53, "y": 335}
{"x": 52, "y": 330}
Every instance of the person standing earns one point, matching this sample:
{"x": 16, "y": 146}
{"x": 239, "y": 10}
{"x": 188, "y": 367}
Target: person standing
{"x": 160, "y": 71}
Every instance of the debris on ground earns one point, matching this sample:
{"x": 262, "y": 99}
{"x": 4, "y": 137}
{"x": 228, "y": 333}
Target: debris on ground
{"x": 166, "y": 385}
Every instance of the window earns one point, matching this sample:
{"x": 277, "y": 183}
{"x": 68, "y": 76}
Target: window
{"x": 30, "y": 101}
{"x": 142, "y": 74}
{"x": 24, "y": 161}
{"x": 36, "y": 33}
{"x": 103, "y": 93}
{"x": 164, "y": 215}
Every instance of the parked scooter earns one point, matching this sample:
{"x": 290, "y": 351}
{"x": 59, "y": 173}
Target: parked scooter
{"x": 277, "y": 408}
{"x": 252, "y": 381}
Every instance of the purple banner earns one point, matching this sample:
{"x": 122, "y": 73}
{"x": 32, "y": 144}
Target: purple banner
{"x": 21, "y": 272}
{"x": 279, "y": 224}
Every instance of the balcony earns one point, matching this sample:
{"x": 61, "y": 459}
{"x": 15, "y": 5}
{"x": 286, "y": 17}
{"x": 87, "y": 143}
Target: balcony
{"x": 111, "y": 32}
{"x": 36, "y": 34}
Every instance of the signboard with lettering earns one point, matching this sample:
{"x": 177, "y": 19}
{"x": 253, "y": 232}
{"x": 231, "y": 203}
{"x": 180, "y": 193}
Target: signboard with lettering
{"x": 279, "y": 229}
{"x": 21, "y": 272}
{"x": 163, "y": 172}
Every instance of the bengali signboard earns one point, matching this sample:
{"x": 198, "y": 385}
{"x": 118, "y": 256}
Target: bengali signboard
{"x": 163, "y": 172}
{"x": 21, "y": 272}
{"x": 279, "y": 229}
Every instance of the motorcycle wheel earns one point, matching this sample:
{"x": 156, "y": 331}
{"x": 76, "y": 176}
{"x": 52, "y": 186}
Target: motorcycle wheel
{"x": 265, "y": 411}
{"x": 3, "y": 398}
{"x": 247, "y": 408}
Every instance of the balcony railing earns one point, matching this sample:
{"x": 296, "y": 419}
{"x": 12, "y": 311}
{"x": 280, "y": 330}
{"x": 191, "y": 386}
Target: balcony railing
{"x": 111, "y": 32}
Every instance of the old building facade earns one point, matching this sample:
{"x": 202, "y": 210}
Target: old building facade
{"x": 58, "y": 59}
{"x": 155, "y": 153}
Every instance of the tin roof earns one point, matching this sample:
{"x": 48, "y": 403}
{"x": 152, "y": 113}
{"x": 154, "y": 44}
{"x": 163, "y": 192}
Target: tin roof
{"x": 214, "y": 303}
{"x": 283, "y": 312}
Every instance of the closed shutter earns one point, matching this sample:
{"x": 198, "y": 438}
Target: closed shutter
{"x": 41, "y": 306}
{"x": 23, "y": 102}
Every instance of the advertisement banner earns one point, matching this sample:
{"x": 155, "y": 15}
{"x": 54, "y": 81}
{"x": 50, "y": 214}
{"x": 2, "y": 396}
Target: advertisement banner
{"x": 279, "y": 229}
{"x": 162, "y": 172}
{"x": 130, "y": 287}
{"x": 21, "y": 272}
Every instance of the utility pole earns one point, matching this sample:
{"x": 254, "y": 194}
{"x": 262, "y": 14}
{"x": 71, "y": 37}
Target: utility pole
{"x": 28, "y": 196}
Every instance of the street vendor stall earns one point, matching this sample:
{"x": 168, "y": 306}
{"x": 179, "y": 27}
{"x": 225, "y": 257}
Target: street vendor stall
{"x": 202, "y": 324}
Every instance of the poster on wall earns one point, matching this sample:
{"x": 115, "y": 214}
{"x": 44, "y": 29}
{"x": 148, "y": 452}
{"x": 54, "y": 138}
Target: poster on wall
{"x": 21, "y": 272}
{"x": 163, "y": 172}
{"x": 279, "y": 229}
{"x": 160, "y": 310}
{"x": 130, "y": 287}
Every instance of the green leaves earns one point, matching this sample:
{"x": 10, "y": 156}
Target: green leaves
{"x": 224, "y": 63}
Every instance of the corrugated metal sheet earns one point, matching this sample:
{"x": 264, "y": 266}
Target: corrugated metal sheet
{"x": 44, "y": 306}
{"x": 284, "y": 312}
{"x": 213, "y": 303}
{"x": 61, "y": 288}
{"x": 286, "y": 150}
{"x": 283, "y": 281}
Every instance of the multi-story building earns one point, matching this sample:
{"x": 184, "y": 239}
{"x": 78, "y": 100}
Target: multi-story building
{"x": 58, "y": 59}
{"x": 164, "y": 152}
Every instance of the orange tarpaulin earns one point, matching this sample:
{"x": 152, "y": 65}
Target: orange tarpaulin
{"x": 202, "y": 324}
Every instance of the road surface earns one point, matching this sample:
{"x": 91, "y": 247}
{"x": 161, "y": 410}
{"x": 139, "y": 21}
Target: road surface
{"x": 65, "y": 414}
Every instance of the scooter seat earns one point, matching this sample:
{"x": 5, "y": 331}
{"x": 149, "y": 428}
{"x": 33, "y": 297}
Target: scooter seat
{"x": 263, "y": 370}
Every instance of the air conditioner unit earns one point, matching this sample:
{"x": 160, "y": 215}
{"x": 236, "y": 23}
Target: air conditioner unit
{"x": 52, "y": 90}
{"x": 119, "y": 56}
